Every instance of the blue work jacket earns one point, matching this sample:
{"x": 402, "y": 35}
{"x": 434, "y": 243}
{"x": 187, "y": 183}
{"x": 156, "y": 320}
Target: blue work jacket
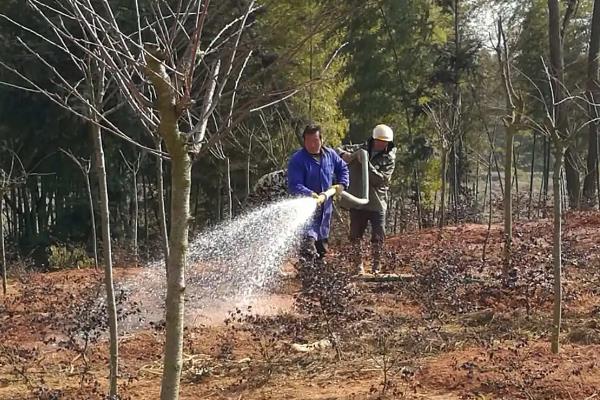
{"x": 306, "y": 175}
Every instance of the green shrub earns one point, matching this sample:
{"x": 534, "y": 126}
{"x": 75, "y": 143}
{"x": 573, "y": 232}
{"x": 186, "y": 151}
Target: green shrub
{"x": 63, "y": 256}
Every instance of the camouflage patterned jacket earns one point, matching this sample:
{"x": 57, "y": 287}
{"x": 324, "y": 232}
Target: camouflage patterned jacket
{"x": 269, "y": 188}
{"x": 381, "y": 168}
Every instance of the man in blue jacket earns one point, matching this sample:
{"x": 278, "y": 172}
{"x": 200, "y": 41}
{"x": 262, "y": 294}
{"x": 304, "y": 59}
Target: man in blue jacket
{"x": 311, "y": 171}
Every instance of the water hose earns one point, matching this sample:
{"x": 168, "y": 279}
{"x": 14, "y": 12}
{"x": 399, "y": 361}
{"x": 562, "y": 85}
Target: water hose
{"x": 363, "y": 158}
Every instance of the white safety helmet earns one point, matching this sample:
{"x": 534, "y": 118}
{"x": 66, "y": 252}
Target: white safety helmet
{"x": 383, "y": 132}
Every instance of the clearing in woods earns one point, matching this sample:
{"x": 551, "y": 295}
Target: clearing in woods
{"x": 453, "y": 332}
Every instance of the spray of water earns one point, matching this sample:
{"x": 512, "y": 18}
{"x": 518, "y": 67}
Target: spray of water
{"x": 231, "y": 264}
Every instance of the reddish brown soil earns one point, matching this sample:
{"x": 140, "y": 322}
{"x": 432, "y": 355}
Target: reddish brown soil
{"x": 471, "y": 338}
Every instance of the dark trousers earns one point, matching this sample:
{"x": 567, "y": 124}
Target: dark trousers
{"x": 311, "y": 262}
{"x": 313, "y": 249}
{"x": 359, "y": 220}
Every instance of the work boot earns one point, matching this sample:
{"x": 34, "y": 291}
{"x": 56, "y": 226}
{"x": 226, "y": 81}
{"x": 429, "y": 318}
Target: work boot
{"x": 356, "y": 258}
{"x": 359, "y": 268}
{"x": 376, "y": 267}
{"x": 376, "y": 248}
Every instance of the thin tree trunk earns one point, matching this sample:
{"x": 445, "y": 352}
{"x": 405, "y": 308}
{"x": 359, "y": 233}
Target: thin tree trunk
{"x": 13, "y": 217}
{"x": 485, "y": 193}
{"x": 34, "y": 206}
{"x": 572, "y": 178}
{"x": 197, "y": 206}
{"x": 543, "y": 194}
{"x": 10, "y": 222}
{"x": 531, "y": 176}
{"x": 162, "y": 217}
{"x": 516, "y": 172}
{"x": 497, "y": 165}
{"x": 16, "y": 220}
{"x": 455, "y": 183}
{"x": 43, "y": 210}
{"x": 85, "y": 171}
{"x": 476, "y": 185}
{"x": 229, "y": 215}
{"x": 145, "y": 199}
{"x": 434, "y": 211}
{"x": 491, "y": 142}
{"x": 248, "y": 167}
{"x": 20, "y": 213}
{"x": 514, "y": 110}
{"x": 489, "y": 228}
{"x": 167, "y": 201}
{"x": 402, "y": 216}
{"x": 2, "y": 251}
{"x": 108, "y": 267}
{"x": 456, "y": 109}
{"x": 444, "y": 174}
{"x": 591, "y": 178}
{"x": 418, "y": 196}
{"x": 88, "y": 187}
{"x": 557, "y": 252}
{"x": 26, "y": 212}
{"x": 52, "y": 208}
{"x": 463, "y": 172}
{"x": 396, "y": 215}
{"x": 546, "y": 175}
{"x": 134, "y": 225}
{"x": 48, "y": 196}
{"x": 508, "y": 223}
{"x": 220, "y": 198}
{"x": 560, "y": 129}
{"x": 563, "y": 198}
{"x": 31, "y": 211}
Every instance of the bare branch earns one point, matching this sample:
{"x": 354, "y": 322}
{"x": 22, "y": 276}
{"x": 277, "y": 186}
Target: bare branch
{"x": 132, "y": 166}
{"x": 334, "y": 55}
{"x": 212, "y": 47}
{"x": 85, "y": 169}
{"x": 231, "y": 59}
{"x": 198, "y": 133}
{"x": 237, "y": 81}
{"x": 189, "y": 64}
{"x": 572, "y": 6}
{"x": 56, "y": 99}
{"x": 292, "y": 93}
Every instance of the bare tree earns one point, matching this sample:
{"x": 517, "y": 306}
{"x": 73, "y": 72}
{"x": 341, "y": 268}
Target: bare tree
{"x": 489, "y": 221}
{"x": 85, "y": 166}
{"x": 96, "y": 135}
{"x": 160, "y": 187}
{"x": 512, "y": 122}
{"x": 134, "y": 168}
{"x": 531, "y": 173}
{"x": 560, "y": 140}
{"x": 447, "y": 133}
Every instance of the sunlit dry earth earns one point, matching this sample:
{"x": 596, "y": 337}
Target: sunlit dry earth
{"x": 453, "y": 332}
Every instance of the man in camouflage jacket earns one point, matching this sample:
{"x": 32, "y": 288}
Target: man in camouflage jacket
{"x": 382, "y": 158}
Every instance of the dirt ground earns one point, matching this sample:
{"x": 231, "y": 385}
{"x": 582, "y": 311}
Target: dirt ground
{"x": 457, "y": 330}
